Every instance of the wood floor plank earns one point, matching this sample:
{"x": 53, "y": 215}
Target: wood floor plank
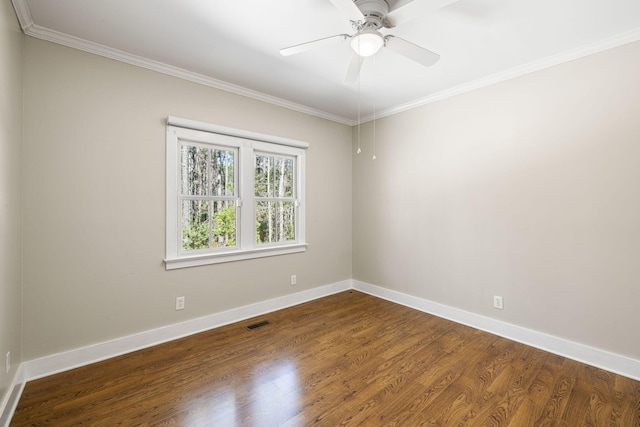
{"x": 506, "y": 393}
{"x": 348, "y": 359}
{"x": 626, "y": 403}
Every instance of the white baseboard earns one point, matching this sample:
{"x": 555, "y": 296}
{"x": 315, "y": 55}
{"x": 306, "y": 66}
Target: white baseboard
{"x": 64, "y": 361}
{"x": 49, "y": 365}
{"x": 60, "y": 362}
{"x": 591, "y": 356}
{"x": 10, "y": 401}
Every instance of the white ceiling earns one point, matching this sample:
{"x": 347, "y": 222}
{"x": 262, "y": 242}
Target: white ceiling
{"x": 234, "y": 45}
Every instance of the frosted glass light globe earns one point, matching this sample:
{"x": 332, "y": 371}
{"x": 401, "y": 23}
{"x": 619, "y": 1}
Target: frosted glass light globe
{"x": 367, "y": 42}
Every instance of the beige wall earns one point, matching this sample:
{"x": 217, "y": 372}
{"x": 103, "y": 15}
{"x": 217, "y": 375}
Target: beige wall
{"x": 529, "y": 189}
{"x": 525, "y": 189}
{"x": 94, "y": 208}
{"x": 11, "y": 44}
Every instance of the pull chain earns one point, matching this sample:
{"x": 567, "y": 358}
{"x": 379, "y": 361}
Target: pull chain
{"x": 359, "y": 150}
{"x": 374, "y": 107}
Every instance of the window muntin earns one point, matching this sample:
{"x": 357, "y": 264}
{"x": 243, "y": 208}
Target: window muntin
{"x": 231, "y": 194}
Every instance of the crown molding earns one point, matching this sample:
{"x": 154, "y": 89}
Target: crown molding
{"x": 23, "y": 13}
{"x": 31, "y": 29}
{"x": 551, "y": 61}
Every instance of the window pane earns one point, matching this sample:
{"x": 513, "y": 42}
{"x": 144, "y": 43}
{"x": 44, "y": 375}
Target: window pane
{"x": 195, "y": 225}
{"x": 198, "y": 232}
{"x": 275, "y": 222}
{"x": 273, "y": 176}
{"x": 193, "y": 170}
{"x": 222, "y": 172}
{"x": 224, "y": 224}
{"x": 263, "y": 174}
{"x": 283, "y": 177}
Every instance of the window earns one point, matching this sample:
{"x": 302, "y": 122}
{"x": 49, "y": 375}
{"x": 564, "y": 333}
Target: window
{"x": 231, "y": 194}
{"x": 207, "y": 197}
{"x": 274, "y": 198}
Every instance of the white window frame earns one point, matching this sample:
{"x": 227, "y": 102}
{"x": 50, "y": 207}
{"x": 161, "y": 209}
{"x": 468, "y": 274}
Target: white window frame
{"x": 247, "y": 143}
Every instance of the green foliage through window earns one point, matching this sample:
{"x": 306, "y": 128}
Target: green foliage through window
{"x": 208, "y": 183}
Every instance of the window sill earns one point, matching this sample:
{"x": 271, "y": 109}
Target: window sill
{"x": 196, "y": 260}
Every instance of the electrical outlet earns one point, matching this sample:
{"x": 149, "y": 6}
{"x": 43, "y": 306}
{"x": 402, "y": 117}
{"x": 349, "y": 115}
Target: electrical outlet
{"x": 179, "y": 303}
{"x": 294, "y": 280}
{"x": 7, "y": 362}
{"x": 497, "y": 302}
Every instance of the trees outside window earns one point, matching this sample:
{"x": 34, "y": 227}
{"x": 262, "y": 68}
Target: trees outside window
{"x": 274, "y": 198}
{"x": 208, "y": 196}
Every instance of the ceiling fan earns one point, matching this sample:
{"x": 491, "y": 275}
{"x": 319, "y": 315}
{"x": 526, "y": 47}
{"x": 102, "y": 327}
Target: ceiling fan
{"x": 367, "y": 17}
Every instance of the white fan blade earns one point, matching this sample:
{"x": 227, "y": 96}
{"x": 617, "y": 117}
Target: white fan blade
{"x": 353, "y": 72}
{"x": 412, "y": 51}
{"x": 349, "y": 9}
{"x": 415, "y": 9}
{"x": 291, "y": 50}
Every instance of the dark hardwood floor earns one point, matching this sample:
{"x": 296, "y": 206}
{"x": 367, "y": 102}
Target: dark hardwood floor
{"x": 347, "y": 359}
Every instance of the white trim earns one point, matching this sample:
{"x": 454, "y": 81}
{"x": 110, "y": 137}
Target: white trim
{"x": 52, "y": 364}
{"x": 615, "y": 363}
{"x": 24, "y": 14}
{"x": 30, "y": 29}
{"x": 71, "y": 359}
{"x": 55, "y": 363}
{"x": 11, "y": 399}
{"x": 217, "y": 258}
{"x": 238, "y": 133}
{"x": 245, "y": 234}
{"x": 548, "y": 62}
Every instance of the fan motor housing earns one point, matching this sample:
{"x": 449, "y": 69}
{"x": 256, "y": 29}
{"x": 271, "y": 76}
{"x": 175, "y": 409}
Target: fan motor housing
{"x": 374, "y": 12}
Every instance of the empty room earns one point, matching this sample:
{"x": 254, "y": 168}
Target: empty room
{"x": 319, "y": 212}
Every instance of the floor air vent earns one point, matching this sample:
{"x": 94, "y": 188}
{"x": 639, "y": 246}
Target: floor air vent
{"x": 258, "y": 325}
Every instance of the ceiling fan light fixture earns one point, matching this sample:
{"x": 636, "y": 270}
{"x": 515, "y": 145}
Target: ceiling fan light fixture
{"x": 367, "y": 42}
